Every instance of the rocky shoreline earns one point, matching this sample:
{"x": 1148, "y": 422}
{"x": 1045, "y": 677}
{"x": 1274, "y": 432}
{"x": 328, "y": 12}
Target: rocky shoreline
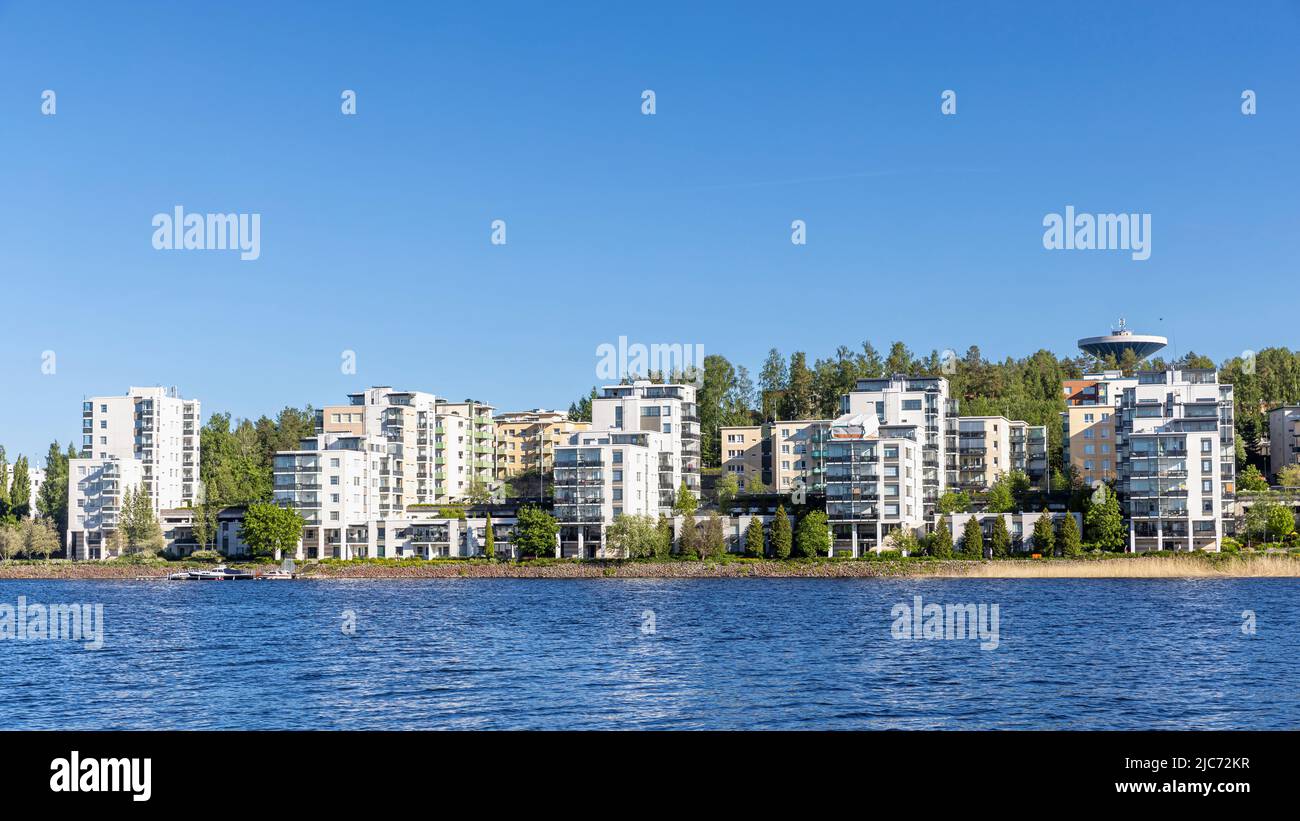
{"x": 1195, "y": 566}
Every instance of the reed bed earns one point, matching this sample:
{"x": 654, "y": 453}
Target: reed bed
{"x": 1141, "y": 567}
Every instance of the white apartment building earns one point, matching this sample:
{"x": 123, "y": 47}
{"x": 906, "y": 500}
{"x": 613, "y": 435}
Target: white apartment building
{"x": 601, "y": 475}
{"x": 335, "y": 481}
{"x": 438, "y": 449}
{"x": 1283, "y": 437}
{"x": 668, "y": 409}
{"x": 147, "y": 439}
{"x": 1177, "y": 460}
{"x": 875, "y": 481}
{"x": 899, "y": 402}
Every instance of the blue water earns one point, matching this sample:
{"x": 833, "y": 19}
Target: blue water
{"x": 771, "y": 654}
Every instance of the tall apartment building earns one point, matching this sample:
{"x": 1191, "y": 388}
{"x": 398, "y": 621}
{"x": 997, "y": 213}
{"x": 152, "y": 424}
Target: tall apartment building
{"x": 982, "y": 449}
{"x": 668, "y": 409}
{"x": 780, "y": 454}
{"x": 1283, "y": 437}
{"x": 884, "y": 459}
{"x": 601, "y": 475}
{"x": 526, "y": 440}
{"x": 336, "y": 482}
{"x": 438, "y": 449}
{"x": 1177, "y": 459}
{"x": 147, "y": 439}
{"x": 905, "y": 401}
{"x": 1089, "y": 424}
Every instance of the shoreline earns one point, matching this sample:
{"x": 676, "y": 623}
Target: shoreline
{"x": 1200, "y": 566}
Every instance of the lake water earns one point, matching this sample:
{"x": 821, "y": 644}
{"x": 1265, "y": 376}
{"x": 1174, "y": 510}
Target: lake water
{"x": 658, "y": 654}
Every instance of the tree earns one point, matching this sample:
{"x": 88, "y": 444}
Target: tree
{"x": 663, "y": 546}
{"x": 1000, "y": 541}
{"x": 1068, "y": 538}
{"x": 1280, "y": 523}
{"x": 689, "y": 542}
{"x": 954, "y": 501}
{"x": 781, "y": 536}
{"x": 5, "y": 513}
{"x": 713, "y": 543}
{"x": 726, "y": 489}
{"x": 1289, "y": 476}
{"x": 39, "y": 538}
{"x": 1044, "y": 536}
{"x": 941, "y": 540}
{"x": 972, "y": 539}
{"x": 535, "y": 532}
{"x": 269, "y": 529}
{"x": 1252, "y": 480}
{"x": 754, "y": 538}
{"x": 489, "y": 540}
{"x": 20, "y": 493}
{"x": 1105, "y": 523}
{"x": 137, "y": 526}
{"x": 52, "y": 498}
{"x": 11, "y": 541}
{"x": 686, "y": 503}
{"x": 812, "y": 536}
{"x": 1001, "y": 500}
{"x": 632, "y": 536}
{"x": 478, "y": 492}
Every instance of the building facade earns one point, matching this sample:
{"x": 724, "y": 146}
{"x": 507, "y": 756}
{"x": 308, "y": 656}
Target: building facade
{"x": 983, "y": 449}
{"x": 337, "y": 483}
{"x": 1089, "y": 425}
{"x": 1283, "y": 438}
{"x": 147, "y": 440}
{"x": 439, "y": 451}
{"x": 645, "y": 406}
{"x": 601, "y": 475}
{"x": 526, "y": 440}
{"x": 781, "y": 455}
{"x": 1177, "y": 470}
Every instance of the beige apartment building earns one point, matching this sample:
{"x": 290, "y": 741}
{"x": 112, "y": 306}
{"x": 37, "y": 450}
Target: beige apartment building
{"x": 781, "y": 454}
{"x": 1089, "y": 424}
{"x": 1283, "y": 438}
{"x": 526, "y": 440}
{"x": 982, "y": 449}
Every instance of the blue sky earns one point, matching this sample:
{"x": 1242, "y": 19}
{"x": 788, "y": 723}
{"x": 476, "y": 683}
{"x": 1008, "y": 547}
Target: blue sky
{"x": 668, "y": 228}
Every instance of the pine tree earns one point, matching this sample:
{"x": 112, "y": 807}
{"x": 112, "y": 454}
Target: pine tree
{"x": 489, "y": 540}
{"x": 1105, "y": 523}
{"x": 781, "y": 535}
{"x": 1068, "y": 538}
{"x": 972, "y": 540}
{"x": 754, "y": 538}
{"x": 941, "y": 541}
{"x": 1044, "y": 537}
{"x": 4, "y": 485}
{"x": 1001, "y": 538}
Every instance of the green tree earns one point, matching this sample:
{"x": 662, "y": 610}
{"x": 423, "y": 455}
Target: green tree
{"x": 1289, "y": 476}
{"x": 478, "y": 492}
{"x": 634, "y": 537}
{"x": 754, "y": 538}
{"x": 812, "y": 536}
{"x": 726, "y": 489}
{"x": 686, "y": 503}
{"x": 1252, "y": 480}
{"x": 714, "y": 541}
{"x": 1104, "y": 522}
{"x": 941, "y": 540}
{"x": 954, "y": 501}
{"x": 1000, "y": 540}
{"x": 1044, "y": 536}
{"x": 1068, "y": 538}
{"x": 535, "y": 532}
{"x": 138, "y": 529}
{"x": 39, "y": 538}
{"x": 1280, "y": 523}
{"x": 689, "y": 541}
{"x": 52, "y": 497}
{"x": 20, "y": 492}
{"x": 972, "y": 540}
{"x": 5, "y": 511}
{"x": 1001, "y": 499}
{"x": 663, "y": 546}
{"x": 270, "y": 529}
{"x": 489, "y": 540}
{"x": 11, "y": 541}
{"x": 781, "y": 535}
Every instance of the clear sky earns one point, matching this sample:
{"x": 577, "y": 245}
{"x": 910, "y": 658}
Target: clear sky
{"x": 666, "y": 228}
